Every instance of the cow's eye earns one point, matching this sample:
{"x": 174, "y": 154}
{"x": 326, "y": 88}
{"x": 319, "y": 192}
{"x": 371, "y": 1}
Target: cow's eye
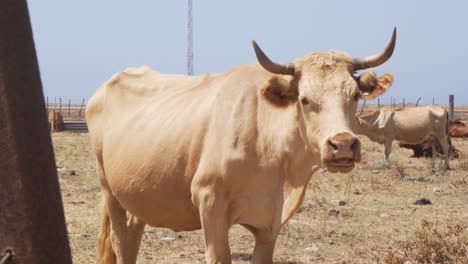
{"x": 304, "y": 101}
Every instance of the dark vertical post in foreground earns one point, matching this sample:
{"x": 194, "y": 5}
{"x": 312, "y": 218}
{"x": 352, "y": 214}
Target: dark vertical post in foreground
{"x": 378, "y": 103}
{"x": 69, "y": 109}
{"x": 451, "y": 107}
{"x": 32, "y": 222}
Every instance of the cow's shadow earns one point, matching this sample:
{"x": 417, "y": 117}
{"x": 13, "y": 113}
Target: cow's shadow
{"x": 248, "y": 257}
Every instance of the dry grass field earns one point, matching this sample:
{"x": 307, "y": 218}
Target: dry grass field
{"x": 367, "y": 216}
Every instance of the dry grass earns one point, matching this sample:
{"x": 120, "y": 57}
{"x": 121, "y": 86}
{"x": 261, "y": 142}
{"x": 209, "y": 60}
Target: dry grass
{"x": 345, "y": 218}
{"x": 433, "y": 244}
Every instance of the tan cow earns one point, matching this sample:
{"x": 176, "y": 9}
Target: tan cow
{"x": 210, "y": 151}
{"x": 55, "y": 121}
{"x": 407, "y": 125}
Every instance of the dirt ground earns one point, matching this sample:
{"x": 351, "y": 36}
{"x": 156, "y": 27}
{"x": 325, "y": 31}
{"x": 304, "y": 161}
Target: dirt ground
{"x": 345, "y": 218}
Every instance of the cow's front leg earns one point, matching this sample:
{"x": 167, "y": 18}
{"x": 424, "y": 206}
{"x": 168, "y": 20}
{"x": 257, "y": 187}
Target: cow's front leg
{"x": 215, "y": 224}
{"x": 264, "y": 247}
{"x": 388, "y": 149}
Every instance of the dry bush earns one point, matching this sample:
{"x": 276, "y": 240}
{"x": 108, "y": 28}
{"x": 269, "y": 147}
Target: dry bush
{"x": 463, "y": 161}
{"x": 433, "y": 245}
{"x": 400, "y": 170}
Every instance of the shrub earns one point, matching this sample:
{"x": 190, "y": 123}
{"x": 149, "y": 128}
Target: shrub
{"x": 433, "y": 245}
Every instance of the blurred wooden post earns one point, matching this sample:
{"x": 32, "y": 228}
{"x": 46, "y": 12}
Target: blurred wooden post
{"x": 60, "y": 104}
{"x": 394, "y": 102}
{"x": 378, "y": 103}
{"x": 81, "y": 107}
{"x": 403, "y": 102}
{"x": 451, "y": 107}
{"x": 432, "y": 100}
{"x": 391, "y": 101}
{"x": 69, "y": 109}
{"x": 32, "y": 222}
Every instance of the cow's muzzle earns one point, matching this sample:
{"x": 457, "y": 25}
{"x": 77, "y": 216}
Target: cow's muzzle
{"x": 341, "y": 151}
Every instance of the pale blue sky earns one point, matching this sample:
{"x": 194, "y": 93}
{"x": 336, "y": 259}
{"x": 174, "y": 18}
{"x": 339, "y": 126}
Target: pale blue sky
{"x": 80, "y": 44}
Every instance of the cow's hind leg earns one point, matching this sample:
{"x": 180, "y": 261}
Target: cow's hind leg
{"x": 135, "y": 232}
{"x": 446, "y": 148}
{"x": 118, "y": 227}
{"x": 435, "y": 152}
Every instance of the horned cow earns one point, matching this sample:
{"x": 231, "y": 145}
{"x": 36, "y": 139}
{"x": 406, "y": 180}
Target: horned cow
{"x": 210, "y": 151}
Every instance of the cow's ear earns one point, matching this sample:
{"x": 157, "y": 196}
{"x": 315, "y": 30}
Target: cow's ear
{"x": 372, "y": 86}
{"x": 280, "y": 92}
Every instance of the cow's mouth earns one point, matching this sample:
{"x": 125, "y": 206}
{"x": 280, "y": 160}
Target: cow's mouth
{"x": 342, "y": 162}
{"x": 340, "y": 165}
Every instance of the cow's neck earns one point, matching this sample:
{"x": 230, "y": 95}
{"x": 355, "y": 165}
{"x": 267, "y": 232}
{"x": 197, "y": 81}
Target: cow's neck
{"x": 373, "y": 132}
{"x": 298, "y": 169}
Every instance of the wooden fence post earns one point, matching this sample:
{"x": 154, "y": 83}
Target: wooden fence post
{"x": 81, "y": 107}
{"x": 32, "y": 222}
{"x": 451, "y": 107}
{"x": 60, "y": 105}
{"x": 69, "y": 109}
{"x": 403, "y": 102}
{"x": 378, "y": 103}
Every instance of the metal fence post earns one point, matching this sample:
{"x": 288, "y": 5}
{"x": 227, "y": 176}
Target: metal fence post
{"x": 32, "y": 222}
{"x": 451, "y": 107}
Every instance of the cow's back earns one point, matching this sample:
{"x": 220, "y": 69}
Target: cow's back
{"x": 414, "y": 125}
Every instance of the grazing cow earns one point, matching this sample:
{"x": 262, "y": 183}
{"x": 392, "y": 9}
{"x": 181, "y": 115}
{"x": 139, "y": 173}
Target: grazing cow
{"x": 458, "y": 128}
{"x": 55, "y": 121}
{"x": 407, "y": 125}
{"x": 424, "y": 149}
{"x": 210, "y": 151}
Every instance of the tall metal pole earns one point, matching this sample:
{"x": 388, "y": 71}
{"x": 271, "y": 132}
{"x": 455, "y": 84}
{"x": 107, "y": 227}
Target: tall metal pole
{"x": 32, "y": 222}
{"x": 189, "y": 39}
{"x": 451, "y": 107}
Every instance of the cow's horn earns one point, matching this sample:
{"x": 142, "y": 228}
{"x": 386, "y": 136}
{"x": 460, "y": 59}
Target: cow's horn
{"x": 376, "y": 60}
{"x": 273, "y": 67}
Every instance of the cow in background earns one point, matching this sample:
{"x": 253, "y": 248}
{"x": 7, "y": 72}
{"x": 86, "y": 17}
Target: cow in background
{"x": 55, "y": 121}
{"x": 407, "y": 125}
{"x": 458, "y": 128}
{"x": 424, "y": 149}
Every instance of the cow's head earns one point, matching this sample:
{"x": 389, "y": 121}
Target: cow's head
{"x": 326, "y": 91}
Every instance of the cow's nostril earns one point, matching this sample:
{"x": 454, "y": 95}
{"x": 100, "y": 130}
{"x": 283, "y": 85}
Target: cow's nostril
{"x": 334, "y": 146}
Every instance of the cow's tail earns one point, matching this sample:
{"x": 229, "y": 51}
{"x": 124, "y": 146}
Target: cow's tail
{"x": 105, "y": 254}
{"x": 449, "y": 138}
